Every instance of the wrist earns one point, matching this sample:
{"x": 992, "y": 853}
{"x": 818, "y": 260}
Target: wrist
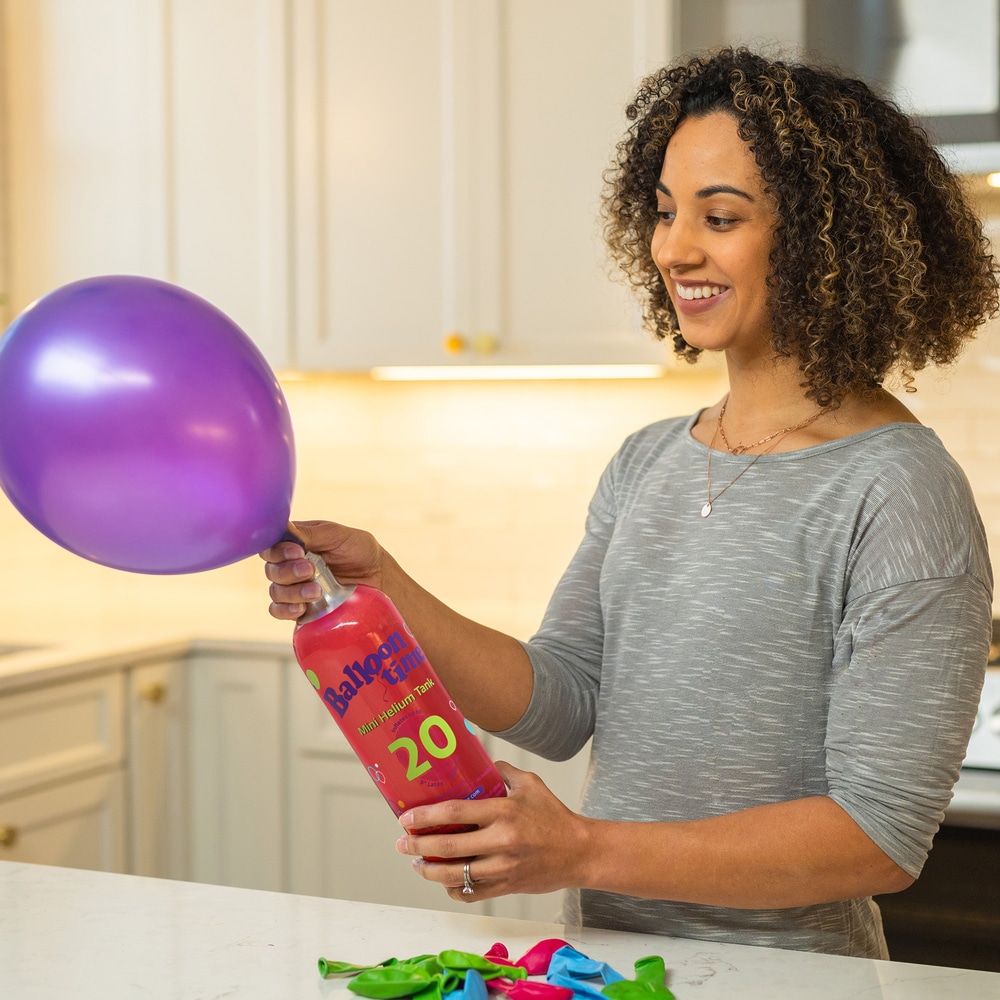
{"x": 594, "y": 852}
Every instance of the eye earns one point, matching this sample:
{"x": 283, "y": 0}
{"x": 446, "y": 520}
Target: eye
{"x": 665, "y": 215}
{"x": 720, "y": 221}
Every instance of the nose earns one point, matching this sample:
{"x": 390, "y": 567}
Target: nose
{"x": 676, "y": 246}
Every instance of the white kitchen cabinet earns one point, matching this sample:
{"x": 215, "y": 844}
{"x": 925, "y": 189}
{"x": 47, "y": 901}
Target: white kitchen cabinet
{"x": 61, "y": 774}
{"x": 55, "y": 732}
{"x": 83, "y": 141}
{"x": 447, "y": 161}
{"x": 352, "y": 183}
{"x": 158, "y": 785}
{"x": 214, "y": 763}
{"x": 76, "y": 824}
{"x": 226, "y": 159}
{"x": 237, "y": 769}
{"x": 149, "y": 137}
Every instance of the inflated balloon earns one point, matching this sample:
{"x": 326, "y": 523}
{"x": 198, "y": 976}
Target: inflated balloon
{"x": 142, "y": 429}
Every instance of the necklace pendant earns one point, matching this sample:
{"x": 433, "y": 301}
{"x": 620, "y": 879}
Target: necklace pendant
{"x": 707, "y": 509}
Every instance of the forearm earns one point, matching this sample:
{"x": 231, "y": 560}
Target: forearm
{"x": 487, "y": 672}
{"x": 780, "y": 855}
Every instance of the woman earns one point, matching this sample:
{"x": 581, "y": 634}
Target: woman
{"x": 776, "y": 625}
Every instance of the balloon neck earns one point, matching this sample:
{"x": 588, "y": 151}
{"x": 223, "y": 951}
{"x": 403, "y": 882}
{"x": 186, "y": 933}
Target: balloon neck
{"x": 333, "y": 593}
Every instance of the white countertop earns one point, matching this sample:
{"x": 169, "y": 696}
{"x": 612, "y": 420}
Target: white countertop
{"x": 96, "y": 936}
{"x": 65, "y": 660}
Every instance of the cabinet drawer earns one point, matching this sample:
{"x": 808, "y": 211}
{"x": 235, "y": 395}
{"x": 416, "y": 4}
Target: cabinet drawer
{"x": 56, "y": 732}
{"x": 79, "y": 824}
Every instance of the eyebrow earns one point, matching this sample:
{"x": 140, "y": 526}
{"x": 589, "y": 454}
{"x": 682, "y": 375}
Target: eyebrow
{"x": 707, "y": 192}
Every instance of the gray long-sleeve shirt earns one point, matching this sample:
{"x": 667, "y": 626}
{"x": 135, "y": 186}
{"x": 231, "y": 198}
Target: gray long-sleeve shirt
{"x": 823, "y": 632}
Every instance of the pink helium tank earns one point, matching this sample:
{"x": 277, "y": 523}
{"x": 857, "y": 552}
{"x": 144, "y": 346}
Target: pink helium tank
{"x": 375, "y": 681}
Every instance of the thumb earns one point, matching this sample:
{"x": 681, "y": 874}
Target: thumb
{"x": 316, "y": 536}
{"x": 512, "y": 776}
{"x": 310, "y": 536}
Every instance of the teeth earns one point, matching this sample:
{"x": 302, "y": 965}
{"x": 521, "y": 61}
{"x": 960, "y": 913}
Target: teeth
{"x": 698, "y": 291}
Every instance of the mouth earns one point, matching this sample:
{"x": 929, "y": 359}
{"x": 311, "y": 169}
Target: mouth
{"x": 691, "y": 293}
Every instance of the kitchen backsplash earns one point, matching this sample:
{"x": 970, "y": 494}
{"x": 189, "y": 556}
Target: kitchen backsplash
{"x": 479, "y": 488}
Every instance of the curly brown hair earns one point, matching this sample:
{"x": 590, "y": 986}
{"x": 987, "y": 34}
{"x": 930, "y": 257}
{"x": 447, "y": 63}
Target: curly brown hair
{"x": 879, "y": 264}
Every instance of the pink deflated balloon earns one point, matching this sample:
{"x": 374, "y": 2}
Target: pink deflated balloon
{"x": 142, "y": 429}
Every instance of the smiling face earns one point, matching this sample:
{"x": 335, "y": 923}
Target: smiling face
{"x": 714, "y": 237}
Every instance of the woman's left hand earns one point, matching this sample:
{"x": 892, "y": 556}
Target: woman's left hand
{"x": 526, "y": 842}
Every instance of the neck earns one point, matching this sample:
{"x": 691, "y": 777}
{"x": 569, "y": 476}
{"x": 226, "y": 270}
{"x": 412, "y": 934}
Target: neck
{"x": 764, "y": 400}
{"x": 769, "y": 394}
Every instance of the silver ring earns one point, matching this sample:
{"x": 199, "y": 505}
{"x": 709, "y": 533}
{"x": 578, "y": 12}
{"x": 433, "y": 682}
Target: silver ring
{"x": 467, "y": 889}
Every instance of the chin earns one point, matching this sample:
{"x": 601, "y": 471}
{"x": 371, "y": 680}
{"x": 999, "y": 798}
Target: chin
{"x": 704, "y": 341}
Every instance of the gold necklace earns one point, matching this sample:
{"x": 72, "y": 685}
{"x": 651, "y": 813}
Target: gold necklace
{"x": 740, "y": 449}
{"x": 776, "y": 437}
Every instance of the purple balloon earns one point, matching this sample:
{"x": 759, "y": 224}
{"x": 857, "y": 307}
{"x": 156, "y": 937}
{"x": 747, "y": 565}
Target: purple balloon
{"x": 142, "y": 429}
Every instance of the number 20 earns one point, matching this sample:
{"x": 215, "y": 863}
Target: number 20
{"x": 414, "y": 766}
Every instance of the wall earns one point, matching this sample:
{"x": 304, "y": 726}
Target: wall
{"x": 480, "y": 489}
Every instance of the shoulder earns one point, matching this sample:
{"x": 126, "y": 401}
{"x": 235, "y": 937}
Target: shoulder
{"x": 665, "y": 446}
{"x": 903, "y": 467}
{"x": 907, "y": 459}
{"x": 914, "y": 503}
{"x": 656, "y": 438}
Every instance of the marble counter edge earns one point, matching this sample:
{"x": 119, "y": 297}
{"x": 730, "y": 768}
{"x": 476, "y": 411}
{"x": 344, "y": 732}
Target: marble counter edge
{"x": 252, "y": 942}
{"x": 52, "y": 664}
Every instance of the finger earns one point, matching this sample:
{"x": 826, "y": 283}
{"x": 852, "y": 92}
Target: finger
{"x": 299, "y": 539}
{"x": 289, "y": 572}
{"x": 299, "y": 593}
{"x": 281, "y": 552}
{"x": 451, "y": 875}
{"x": 451, "y": 814}
{"x": 442, "y": 846}
{"x": 509, "y": 773}
{"x": 286, "y": 612}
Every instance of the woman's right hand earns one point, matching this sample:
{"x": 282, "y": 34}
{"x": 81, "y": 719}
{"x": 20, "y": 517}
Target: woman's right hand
{"x": 354, "y": 556}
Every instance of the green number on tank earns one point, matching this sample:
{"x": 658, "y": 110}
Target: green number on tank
{"x": 414, "y": 765}
{"x": 436, "y": 722}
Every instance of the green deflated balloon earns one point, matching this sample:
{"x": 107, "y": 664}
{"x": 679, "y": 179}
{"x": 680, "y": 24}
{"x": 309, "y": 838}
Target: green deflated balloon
{"x": 649, "y": 982}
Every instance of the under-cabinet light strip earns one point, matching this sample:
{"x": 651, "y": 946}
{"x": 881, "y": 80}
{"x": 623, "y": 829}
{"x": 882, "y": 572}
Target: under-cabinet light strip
{"x": 435, "y": 373}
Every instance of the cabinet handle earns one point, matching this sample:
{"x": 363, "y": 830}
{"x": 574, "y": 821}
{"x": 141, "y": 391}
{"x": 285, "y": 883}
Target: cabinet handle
{"x": 454, "y": 343}
{"x": 8, "y": 835}
{"x": 154, "y": 692}
{"x": 480, "y": 343}
{"x": 485, "y": 343}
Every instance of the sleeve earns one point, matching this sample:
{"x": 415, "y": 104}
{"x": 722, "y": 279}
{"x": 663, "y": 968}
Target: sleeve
{"x": 909, "y": 662}
{"x": 567, "y": 651}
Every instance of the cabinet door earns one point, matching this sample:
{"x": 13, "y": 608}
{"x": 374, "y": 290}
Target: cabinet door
{"x": 83, "y": 143}
{"x": 236, "y": 771}
{"x": 76, "y": 824}
{"x": 342, "y": 832}
{"x": 150, "y": 137}
{"x": 568, "y": 68}
{"x": 59, "y": 731}
{"x": 373, "y": 181}
{"x": 447, "y": 169}
{"x": 227, "y": 161}
{"x": 157, "y": 770}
